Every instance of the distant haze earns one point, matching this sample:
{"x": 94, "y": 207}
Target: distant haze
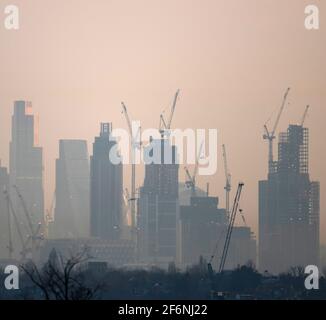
{"x": 77, "y": 60}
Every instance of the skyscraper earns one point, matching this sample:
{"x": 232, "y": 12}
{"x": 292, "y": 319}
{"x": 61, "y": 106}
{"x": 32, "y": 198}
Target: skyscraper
{"x": 26, "y": 167}
{"x": 289, "y": 207}
{"x": 4, "y": 218}
{"x": 72, "y": 190}
{"x": 106, "y": 194}
{"x": 158, "y": 206}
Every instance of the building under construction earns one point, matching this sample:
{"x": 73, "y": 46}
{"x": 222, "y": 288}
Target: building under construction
{"x": 289, "y": 207}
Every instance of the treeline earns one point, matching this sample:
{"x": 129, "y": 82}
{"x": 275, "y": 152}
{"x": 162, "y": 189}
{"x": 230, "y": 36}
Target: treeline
{"x": 70, "y": 279}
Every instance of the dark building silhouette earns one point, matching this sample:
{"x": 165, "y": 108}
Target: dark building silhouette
{"x": 26, "y": 167}
{"x": 202, "y": 233}
{"x": 158, "y": 206}
{"x": 72, "y": 191}
{"x": 106, "y": 188}
{"x": 201, "y": 225}
{"x": 116, "y": 253}
{"x": 243, "y": 248}
{"x": 4, "y": 218}
{"x": 289, "y": 207}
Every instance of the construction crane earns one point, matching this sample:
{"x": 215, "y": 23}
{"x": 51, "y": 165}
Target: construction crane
{"x": 35, "y": 233}
{"x": 270, "y": 135}
{"x": 227, "y": 187}
{"x": 126, "y": 197}
{"x": 49, "y": 215}
{"x": 191, "y": 179}
{"x": 134, "y": 145}
{"x": 243, "y": 217}
{"x": 230, "y": 227}
{"x": 23, "y": 242}
{"x": 10, "y": 245}
{"x": 229, "y": 232}
{"x": 304, "y": 115}
{"x": 165, "y": 127}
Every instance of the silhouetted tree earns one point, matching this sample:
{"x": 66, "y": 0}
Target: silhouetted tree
{"x": 61, "y": 278}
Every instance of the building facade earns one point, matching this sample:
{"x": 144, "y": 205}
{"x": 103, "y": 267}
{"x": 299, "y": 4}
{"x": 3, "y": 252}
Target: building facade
{"x": 5, "y": 224}
{"x": 203, "y": 228}
{"x": 106, "y": 188}
{"x": 158, "y": 205}
{"x": 26, "y": 165}
{"x": 114, "y": 253}
{"x": 289, "y": 207}
{"x": 72, "y": 217}
{"x": 201, "y": 225}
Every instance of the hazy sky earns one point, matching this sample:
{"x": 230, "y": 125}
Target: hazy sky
{"x": 232, "y": 59}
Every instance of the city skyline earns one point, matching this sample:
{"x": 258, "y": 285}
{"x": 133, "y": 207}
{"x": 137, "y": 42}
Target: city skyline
{"x": 85, "y": 87}
{"x": 161, "y": 184}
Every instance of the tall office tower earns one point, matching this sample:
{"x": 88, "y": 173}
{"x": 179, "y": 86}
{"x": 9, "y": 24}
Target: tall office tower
{"x": 158, "y": 205}
{"x": 289, "y": 207}
{"x": 106, "y": 194}
{"x": 4, "y": 218}
{"x": 72, "y": 190}
{"x": 26, "y": 167}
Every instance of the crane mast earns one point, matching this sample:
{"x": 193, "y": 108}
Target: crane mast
{"x": 166, "y": 126}
{"x": 24, "y": 243}
{"x": 191, "y": 182}
{"x": 230, "y": 227}
{"x": 35, "y": 233}
{"x": 126, "y": 197}
{"x": 304, "y": 115}
{"x": 227, "y": 187}
{"x": 270, "y": 136}
{"x": 10, "y": 245}
{"x": 49, "y": 215}
{"x": 133, "y": 167}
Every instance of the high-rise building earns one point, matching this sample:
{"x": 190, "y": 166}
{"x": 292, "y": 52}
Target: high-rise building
{"x": 203, "y": 228}
{"x": 4, "y": 218}
{"x": 72, "y": 191}
{"x": 115, "y": 253}
{"x": 242, "y": 249}
{"x": 201, "y": 225}
{"x": 26, "y": 167}
{"x": 106, "y": 183}
{"x": 289, "y": 207}
{"x": 158, "y": 206}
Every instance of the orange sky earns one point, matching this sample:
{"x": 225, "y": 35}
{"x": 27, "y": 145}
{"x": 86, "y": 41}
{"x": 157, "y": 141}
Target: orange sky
{"x": 232, "y": 59}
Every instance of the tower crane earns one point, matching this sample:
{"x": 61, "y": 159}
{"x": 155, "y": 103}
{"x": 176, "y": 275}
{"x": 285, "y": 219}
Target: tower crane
{"x": 23, "y": 242}
{"x": 134, "y": 145}
{"x": 270, "y": 135}
{"x": 49, "y": 214}
{"x": 227, "y": 187}
{"x": 126, "y": 197}
{"x": 165, "y": 127}
{"x": 10, "y": 245}
{"x": 191, "y": 182}
{"x": 229, "y": 232}
{"x": 35, "y": 233}
{"x": 243, "y": 217}
{"x": 304, "y": 115}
